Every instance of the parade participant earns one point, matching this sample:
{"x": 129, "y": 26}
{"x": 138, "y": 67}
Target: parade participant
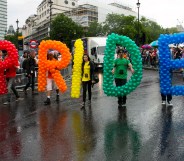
{"x": 167, "y": 98}
{"x": 87, "y": 78}
{"x": 30, "y": 65}
{"x": 50, "y": 81}
{"x": 10, "y": 74}
{"x": 121, "y": 65}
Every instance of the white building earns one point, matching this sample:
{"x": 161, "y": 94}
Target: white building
{"x": 3, "y": 18}
{"x": 38, "y": 26}
{"x": 104, "y": 8}
{"x": 89, "y": 11}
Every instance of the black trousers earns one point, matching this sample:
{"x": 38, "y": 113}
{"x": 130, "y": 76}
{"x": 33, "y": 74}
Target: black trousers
{"x": 31, "y": 81}
{"x": 121, "y": 82}
{"x": 168, "y": 97}
{"x": 86, "y": 86}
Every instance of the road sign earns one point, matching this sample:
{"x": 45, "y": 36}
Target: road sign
{"x": 33, "y": 44}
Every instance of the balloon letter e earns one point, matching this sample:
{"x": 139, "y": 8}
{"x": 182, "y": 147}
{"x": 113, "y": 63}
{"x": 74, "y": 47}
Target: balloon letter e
{"x": 167, "y": 64}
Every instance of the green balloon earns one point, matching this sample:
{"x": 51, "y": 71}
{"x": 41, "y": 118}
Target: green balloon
{"x": 133, "y": 49}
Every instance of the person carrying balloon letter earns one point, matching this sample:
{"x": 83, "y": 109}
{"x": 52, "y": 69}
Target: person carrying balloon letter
{"x": 121, "y": 65}
{"x": 10, "y": 74}
{"x": 87, "y": 78}
{"x": 167, "y": 97}
{"x": 50, "y": 81}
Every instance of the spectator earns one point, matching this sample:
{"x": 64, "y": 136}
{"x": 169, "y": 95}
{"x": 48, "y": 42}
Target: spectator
{"x": 87, "y": 78}
{"x": 30, "y": 65}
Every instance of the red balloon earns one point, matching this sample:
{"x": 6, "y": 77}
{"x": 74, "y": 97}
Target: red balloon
{"x": 10, "y": 61}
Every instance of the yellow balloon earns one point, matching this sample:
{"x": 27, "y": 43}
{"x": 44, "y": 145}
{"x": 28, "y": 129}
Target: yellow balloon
{"x": 76, "y": 75}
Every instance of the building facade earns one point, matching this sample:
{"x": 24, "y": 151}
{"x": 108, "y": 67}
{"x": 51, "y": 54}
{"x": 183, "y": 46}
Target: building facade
{"x": 3, "y": 18}
{"x": 103, "y": 9}
{"x": 11, "y": 30}
{"x": 37, "y": 27}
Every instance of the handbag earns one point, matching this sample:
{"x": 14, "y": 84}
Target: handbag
{"x": 96, "y": 79}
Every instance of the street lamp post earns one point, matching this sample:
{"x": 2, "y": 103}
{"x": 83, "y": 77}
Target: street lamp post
{"x": 17, "y": 30}
{"x": 50, "y": 2}
{"x": 138, "y": 6}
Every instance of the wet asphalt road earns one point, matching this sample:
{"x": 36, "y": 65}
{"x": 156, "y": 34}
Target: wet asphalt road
{"x": 143, "y": 131}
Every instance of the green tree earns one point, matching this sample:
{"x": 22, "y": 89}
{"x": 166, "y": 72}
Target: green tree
{"x": 151, "y": 30}
{"x": 120, "y": 24}
{"x": 13, "y": 38}
{"x": 170, "y": 30}
{"x": 128, "y": 26}
{"x": 95, "y": 29}
{"x": 65, "y": 29}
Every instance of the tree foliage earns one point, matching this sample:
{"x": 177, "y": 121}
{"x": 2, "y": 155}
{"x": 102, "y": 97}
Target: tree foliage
{"x": 13, "y": 38}
{"x": 65, "y": 29}
{"x": 95, "y": 29}
{"x": 128, "y": 26}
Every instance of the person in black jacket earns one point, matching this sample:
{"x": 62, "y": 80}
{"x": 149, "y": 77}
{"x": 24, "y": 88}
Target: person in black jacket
{"x": 30, "y": 71}
{"x": 87, "y": 78}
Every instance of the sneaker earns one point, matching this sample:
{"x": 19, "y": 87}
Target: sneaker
{"x": 47, "y": 102}
{"x": 6, "y": 103}
{"x": 123, "y": 105}
{"x": 163, "y": 102}
{"x": 19, "y": 99}
{"x": 170, "y": 103}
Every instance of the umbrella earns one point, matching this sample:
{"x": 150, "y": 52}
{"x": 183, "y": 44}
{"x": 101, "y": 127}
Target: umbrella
{"x": 154, "y": 43}
{"x": 146, "y": 46}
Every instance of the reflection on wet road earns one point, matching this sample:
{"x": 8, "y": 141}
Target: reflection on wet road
{"x": 143, "y": 131}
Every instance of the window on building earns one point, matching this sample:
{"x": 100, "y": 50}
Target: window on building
{"x": 66, "y": 2}
{"x": 73, "y": 4}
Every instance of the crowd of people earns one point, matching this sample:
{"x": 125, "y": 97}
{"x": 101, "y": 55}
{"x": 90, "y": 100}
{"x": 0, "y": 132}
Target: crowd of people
{"x": 150, "y": 56}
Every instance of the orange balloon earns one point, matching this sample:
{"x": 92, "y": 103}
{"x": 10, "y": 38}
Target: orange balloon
{"x": 48, "y": 65}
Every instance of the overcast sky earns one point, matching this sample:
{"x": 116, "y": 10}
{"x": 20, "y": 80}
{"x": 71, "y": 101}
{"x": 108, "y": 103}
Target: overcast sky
{"x": 165, "y": 12}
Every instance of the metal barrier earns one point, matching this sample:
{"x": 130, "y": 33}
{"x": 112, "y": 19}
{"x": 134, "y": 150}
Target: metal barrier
{"x": 21, "y": 80}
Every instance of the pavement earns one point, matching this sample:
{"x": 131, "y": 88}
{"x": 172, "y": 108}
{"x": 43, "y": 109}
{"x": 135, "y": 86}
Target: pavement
{"x": 143, "y": 131}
